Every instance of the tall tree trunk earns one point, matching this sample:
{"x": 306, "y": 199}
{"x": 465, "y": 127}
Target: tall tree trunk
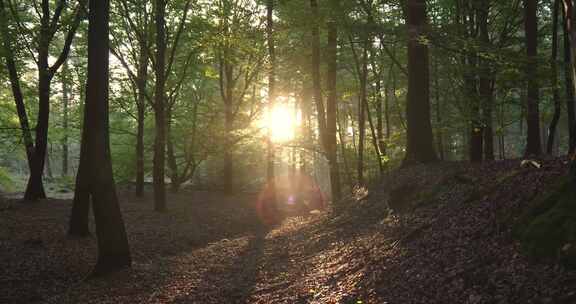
{"x": 476, "y": 136}
{"x": 363, "y": 75}
{"x": 485, "y": 83}
{"x": 331, "y": 107}
{"x": 317, "y": 89}
{"x": 501, "y": 134}
{"x": 271, "y": 90}
{"x": 35, "y": 186}
{"x": 65, "y": 101}
{"x": 569, "y": 76}
{"x": 379, "y": 114}
{"x": 159, "y": 109}
{"x": 80, "y": 213}
{"x": 388, "y": 94}
{"x": 555, "y": 89}
{"x": 533, "y": 142}
{"x": 439, "y": 125}
{"x": 374, "y": 139}
{"x": 466, "y": 17}
{"x": 142, "y": 80}
{"x": 305, "y": 128}
{"x": 420, "y": 144}
{"x": 348, "y": 175}
{"x": 228, "y": 161}
{"x": 175, "y": 180}
{"x": 96, "y": 165}
{"x": 487, "y": 110}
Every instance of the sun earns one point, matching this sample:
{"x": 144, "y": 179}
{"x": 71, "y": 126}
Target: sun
{"x": 281, "y": 122}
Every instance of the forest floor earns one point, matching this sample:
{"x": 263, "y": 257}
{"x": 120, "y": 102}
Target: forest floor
{"x": 454, "y": 246}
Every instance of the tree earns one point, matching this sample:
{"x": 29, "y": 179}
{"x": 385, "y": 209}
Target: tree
{"x": 65, "y": 105}
{"x": 240, "y": 56}
{"x": 362, "y": 72}
{"x": 419, "y": 143}
{"x": 326, "y": 129}
{"x": 159, "y": 109}
{"x": 50, "y": 24}
{"x": 15, "y": 85}
{"x": 533, "y": 146}
{"x": 331, "y": 146}
{"x": 556, "y": 91}
{"x": 135, "y": 28}
{"x": 485, "y": 82}
{"x": 271, "y": 86}
{"x": 569, "y": 75}
{"x": 95, "y": 177}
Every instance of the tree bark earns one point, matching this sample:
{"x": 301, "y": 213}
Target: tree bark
{"x": 331, "y": 107}
{"x": 96, "y": 177}
{"x": 569, "y": 75}
{"x": 80, "y": 213}
{"x": 175, "y": 180}
{"x": 228, "y": 129}
{"x": 363, "y": 76}
{"x": 159, "y": 109}
{"x": 485, "y": 83}
{"x": 142, "y": 80}
{"x": 35, "y": 186}
{"x": 439, "y": 124}
{"x": 420, "y": 144}
{"x": 317, "y": 88}
{"x": 271, "y": 91}
{"x": 555, "y": 89}
{"x": 65, "y": 102}
{"x": 533, "y": 142}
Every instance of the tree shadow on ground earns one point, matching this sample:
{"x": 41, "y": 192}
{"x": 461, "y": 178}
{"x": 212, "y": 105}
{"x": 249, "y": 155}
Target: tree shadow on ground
{"x": 194, "y": 220}
{"x": 234, "y": 280}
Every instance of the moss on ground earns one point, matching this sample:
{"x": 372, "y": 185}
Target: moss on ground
{"x": 547, "y": 230}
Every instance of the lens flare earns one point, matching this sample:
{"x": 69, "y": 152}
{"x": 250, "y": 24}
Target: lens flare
{"x": 290, "y": 195}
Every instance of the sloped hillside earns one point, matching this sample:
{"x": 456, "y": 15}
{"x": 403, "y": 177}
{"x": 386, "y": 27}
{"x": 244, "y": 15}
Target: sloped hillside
{"x": 438, "y": 233}
{"x": 449, "y": 240}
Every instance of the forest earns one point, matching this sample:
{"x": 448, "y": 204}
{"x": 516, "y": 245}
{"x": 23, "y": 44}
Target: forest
{"x": 287, "y": 151}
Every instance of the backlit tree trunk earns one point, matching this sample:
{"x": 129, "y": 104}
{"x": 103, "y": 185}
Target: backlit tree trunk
{"x": 65, "y": 102}
{"x": 555, "y": 90}
{"x": 159, "y": 109}
{"x": 533, "y": 145}
{"x": 331, "y": 108}
{"x": 485, "y": 83}
{"x": 15, "y": 85}
{"x": 420, "y": 145}
{"x": 271, "y": 87}
{"x": 95, "y": 174}
{"x": 142, "y": 80}
{"x": 47, "y": 30}
{"x": 363, "y": 75}
{"x": 569, "y": 73}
